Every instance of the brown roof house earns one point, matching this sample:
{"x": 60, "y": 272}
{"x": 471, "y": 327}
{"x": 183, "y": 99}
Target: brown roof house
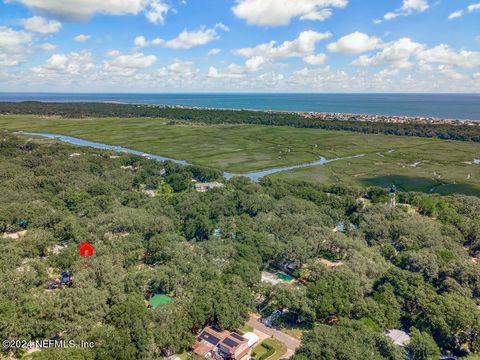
{"x": 221, "y": 345}
{"x": 233, "y": 347}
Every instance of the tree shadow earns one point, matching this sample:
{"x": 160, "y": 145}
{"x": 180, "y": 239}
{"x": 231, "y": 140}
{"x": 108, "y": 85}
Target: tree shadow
{"x": 422, "y": 184}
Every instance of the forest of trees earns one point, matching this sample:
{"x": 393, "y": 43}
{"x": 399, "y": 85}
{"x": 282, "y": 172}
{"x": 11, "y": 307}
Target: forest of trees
{"x": 412, "y": 267}
{"x": 211, "y": 116}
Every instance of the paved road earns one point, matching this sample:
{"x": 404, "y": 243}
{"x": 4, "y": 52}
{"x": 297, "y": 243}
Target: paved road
{"x": 291, "y": 343}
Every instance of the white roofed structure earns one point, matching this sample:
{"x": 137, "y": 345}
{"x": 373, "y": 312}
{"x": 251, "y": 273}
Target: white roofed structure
{"x": 251, "y": 338}
{"x": 399, "y": 337}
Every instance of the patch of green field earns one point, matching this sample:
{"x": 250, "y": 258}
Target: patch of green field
{"x": 296, "y": 331}
{"x": 245, "y": 328}
{"x": 442, "y": 165}
{"x": 275, "y": 347}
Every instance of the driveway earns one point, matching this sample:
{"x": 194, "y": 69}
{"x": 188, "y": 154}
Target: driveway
{"x": 291, "y": 343}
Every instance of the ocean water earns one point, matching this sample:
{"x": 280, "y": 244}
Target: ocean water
{"x": 448, "y": 106}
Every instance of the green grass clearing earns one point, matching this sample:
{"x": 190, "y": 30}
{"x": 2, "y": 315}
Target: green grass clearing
{"x": 245, "y": 328}
{"x": 277, "y": 349}
{"x": 159, "y": 300}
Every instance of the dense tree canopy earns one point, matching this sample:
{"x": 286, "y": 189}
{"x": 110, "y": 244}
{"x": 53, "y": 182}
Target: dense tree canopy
{"x": 412, "y": 267}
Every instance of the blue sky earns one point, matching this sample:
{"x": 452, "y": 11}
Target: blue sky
{"x": 240, "y": 45}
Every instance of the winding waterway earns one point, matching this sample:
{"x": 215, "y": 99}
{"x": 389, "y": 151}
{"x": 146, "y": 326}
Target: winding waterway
{"x": 254, "y": 175}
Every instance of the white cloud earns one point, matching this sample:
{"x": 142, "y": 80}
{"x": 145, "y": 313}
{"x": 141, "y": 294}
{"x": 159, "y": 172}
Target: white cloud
{"x": 281, "y": 12}
{"x": 415, "y": 5}
{"x": 215, "y": 74}
{"x": 318, "y": 15}
{"x": 251, "y": 65}
{"x": 397, "y": 54}
{"x": 14, "y": 46}
{"x": 140, "y": 41}
{"x": 214, "y": 52}
{"x": 188, "y": 39}
{"x": 405, "y": 53}
{"x": 48, "y": 47}
{"x": 155, "y": 10}
{"x": 449, "y": 72}
{"x": 40, "y": 25}
{"x": 66, "y": 64}
{"x": 408, "y": 7}
{"x": 112, "y": 53}
{"x": 443, "y": 54}
{"x": 128, "y": 64}
{"x": 455, "y": 15}
{"x": 270, "y": 79}
{"x": 318, "y": 59}
{"x": 10, "y": 39}
{"x": 354, "y": 43}
{"x": 319, "y": 78}
{"x": 474, "y": 7}
{"x": 81, "y": 38}
{"x": 178, "y": 68}
{"x": 302, "y": 46}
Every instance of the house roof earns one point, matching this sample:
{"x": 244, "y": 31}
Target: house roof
{"x": 399, "y": 337}
{"x": 232, "y": 341}
{"x": 252, "y": 338}
{"x": 202, "y": 348}
{"x": 209, "y": 184}
{"x": 212, "y": 336}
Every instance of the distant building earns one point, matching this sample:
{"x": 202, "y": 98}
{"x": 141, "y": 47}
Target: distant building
{"x": 399, "y": 337}
{"x": 204, "y": 187}
{"x": 233, "y": 347}
{"x": 149, "y": 192}
{"x": 392, "y": 197}
{"x": 15, "y": 235}
{"x": 64, "y": 281}
{"x": 252, "y": 339}
{"x": 221, "y": 344}
{"x": 56, "y": 249}
{"x": 339, "y": 227}
{"x": 276, "y": 278}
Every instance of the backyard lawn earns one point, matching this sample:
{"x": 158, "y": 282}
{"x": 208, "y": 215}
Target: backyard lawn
{"x": 269, "y": 349}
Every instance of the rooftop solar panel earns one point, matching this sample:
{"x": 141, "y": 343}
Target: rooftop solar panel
{"x": 237, "y": 336}
{"x": 210, "y": 338}
{"x": 230, "y": 343}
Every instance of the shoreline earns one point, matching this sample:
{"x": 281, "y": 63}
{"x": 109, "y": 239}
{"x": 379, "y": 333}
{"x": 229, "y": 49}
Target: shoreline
{"x": 323, "y": 115}
{"x": 318, "y": 115}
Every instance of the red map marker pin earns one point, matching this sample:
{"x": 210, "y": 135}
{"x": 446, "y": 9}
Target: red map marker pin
{"x": 86, "y": 249}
